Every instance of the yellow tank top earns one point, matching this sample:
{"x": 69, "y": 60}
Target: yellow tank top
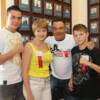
{"x": 41, "y": 69}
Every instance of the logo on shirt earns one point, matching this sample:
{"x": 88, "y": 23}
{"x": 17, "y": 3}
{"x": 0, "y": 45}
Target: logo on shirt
{"x": 80, "y": 74}
{"x": 59, "y": 53}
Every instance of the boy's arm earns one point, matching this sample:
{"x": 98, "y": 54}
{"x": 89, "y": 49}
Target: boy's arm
{"x": 91, "y": 65}
{"x": 70, "y": 84}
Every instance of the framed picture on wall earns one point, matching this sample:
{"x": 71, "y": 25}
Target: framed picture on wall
{"x": 67, "y": 27}
{"x": 37, "y": 6}
{"x": 24, "y": 5}
{"x": 93, "y": 1}
{"x": 66, "y": 12}
{"x": 25, "y": 26}
{"x": 48, "y": 8}
{"x": 94, "y": 12}
{"x": 67, "y": 1}
{"x": 60, "y": 0}
{"x": 96, "y": 41}
{"x": 58, "y": 10}
{"x": 49, "y": 25}
{"x": 94, "y": 27}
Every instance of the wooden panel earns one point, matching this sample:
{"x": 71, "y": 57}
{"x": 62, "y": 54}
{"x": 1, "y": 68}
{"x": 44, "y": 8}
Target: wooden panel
{"x": 3, "y": 13}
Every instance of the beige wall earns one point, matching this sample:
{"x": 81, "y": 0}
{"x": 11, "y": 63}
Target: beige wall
{"x": 79, "y": 12}
{"x": 4, "y": 4}
{"x": 9, "y": 3}
{"x": 0, "y": 13}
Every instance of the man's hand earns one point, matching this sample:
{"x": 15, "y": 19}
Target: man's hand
{"x": 90, "y": 45}
{"x": 9, "y": 55}
{"x": 70, "y": 85}
{"x": 19, "y": 48}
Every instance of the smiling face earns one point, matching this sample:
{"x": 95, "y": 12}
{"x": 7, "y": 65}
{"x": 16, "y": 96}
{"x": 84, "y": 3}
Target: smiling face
{"x": 39, "y": 28}
{"x": 80, "y": 37}
{"x": 14, "y": 19}
{"x": 40, "y": 34}
{"x": 59, "y": 30}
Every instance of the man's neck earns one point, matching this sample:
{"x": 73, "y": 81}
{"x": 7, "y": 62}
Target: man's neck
{"x": 60, "y": 39}
{"x": 10, "y": 29}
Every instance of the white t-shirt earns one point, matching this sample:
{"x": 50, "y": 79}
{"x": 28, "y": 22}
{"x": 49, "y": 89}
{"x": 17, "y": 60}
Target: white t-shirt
{"x": 61, "y": 66}
{"x": 11, "y": 69}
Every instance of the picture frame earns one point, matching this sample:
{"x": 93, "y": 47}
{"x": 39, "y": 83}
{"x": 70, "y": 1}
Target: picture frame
{"x": 66, "y": 12}
{"x": 94, "y": 22}
{"x": 40, "y": 10}
{"x": 67, "y": 1}
{"x": 94, "y": 12}
{"x": 68, "y": 27}
{"x": 96, "y": 41}
{"x": 60, "y": 0}
{"x": 93, "y": 1}
{"x": 57, "y": 10}
{"x": 24, "y": 5}
{"x": 25, "y": 26}
{"x": 37, "y": 6}
{"x": 94, "y": 27}
{"x": 48, "y": 8}
{"x": 49, "y": 25}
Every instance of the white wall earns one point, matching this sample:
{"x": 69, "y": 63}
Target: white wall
{"x": 79, "y": 12}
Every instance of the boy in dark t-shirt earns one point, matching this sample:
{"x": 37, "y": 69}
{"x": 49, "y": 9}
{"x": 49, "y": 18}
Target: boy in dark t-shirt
{"x": 84, "y": 78}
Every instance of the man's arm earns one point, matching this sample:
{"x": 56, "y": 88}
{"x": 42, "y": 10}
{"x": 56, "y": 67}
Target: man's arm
{"x": 10, "y": 54}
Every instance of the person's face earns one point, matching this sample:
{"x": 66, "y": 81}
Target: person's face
{"x": 14, "y": 19}
{"x": 59, "y": 30}
{"x": 41, "y": 34}
{"x": 80, "y": 37}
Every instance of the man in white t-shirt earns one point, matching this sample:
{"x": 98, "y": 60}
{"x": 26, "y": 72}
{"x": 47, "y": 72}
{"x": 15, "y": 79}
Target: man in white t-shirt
{"x": 10, "y": 61}
{"x": 61, "y": 66}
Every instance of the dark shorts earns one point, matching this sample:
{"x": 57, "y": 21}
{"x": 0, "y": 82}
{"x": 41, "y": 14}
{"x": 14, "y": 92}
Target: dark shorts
{"x": 12, "y": 92}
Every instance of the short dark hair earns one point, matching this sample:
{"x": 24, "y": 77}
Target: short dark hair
{"x": 80, "y": 27}
{"x": 58, "y": 20}
{"x": 13, "y": 7}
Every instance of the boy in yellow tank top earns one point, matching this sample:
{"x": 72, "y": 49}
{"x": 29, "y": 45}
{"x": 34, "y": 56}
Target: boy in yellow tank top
{"x": 35, "y": 60}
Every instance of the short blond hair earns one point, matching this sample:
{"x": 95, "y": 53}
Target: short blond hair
{"x": 40, "y": 23}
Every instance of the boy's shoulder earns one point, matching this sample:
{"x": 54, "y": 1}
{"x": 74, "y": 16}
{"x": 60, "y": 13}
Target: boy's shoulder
{"x": 75, "y": 48}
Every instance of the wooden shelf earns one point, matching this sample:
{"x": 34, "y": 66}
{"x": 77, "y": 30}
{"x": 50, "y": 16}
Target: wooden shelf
{"x": 50, "y": 9}
{"x": 94, "y": 21}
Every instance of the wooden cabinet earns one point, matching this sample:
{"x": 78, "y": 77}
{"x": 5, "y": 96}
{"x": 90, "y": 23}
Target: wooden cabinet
{"x": 94, "y": 21}
{"x": 50, "y": 9}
